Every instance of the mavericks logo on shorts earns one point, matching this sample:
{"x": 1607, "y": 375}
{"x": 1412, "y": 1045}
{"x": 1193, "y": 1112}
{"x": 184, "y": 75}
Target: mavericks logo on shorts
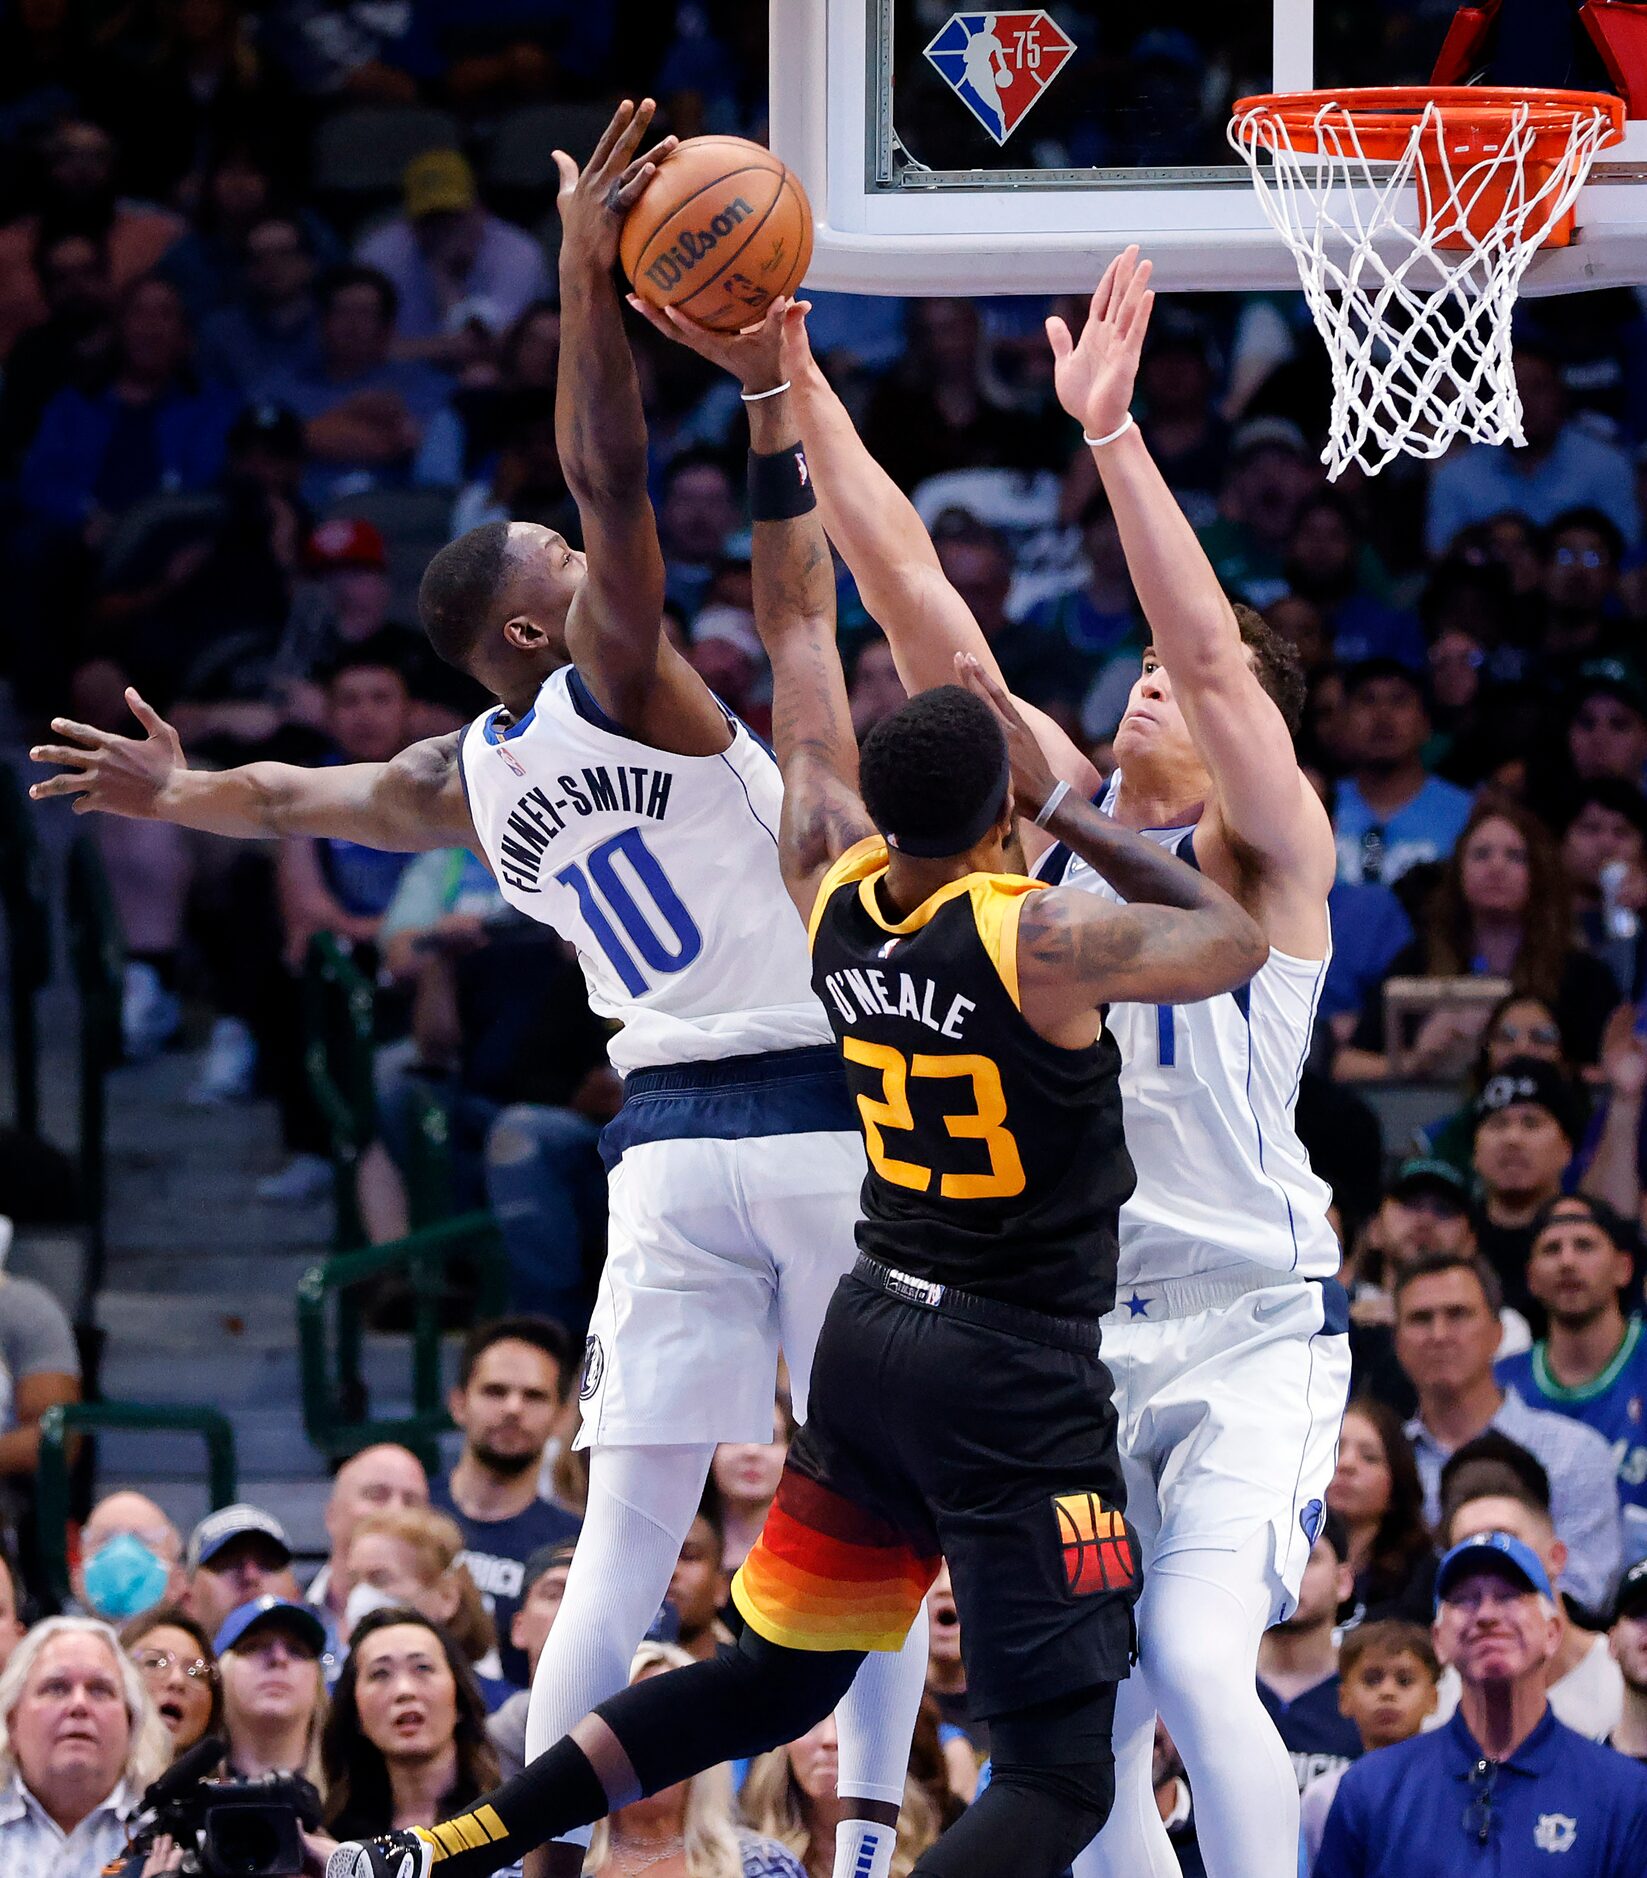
{"x": 594, "y": 1367}
{"x": 1097, "y": 1547}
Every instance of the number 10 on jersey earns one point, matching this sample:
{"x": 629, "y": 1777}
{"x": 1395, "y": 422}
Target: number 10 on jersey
{"x": 657, "y": 932}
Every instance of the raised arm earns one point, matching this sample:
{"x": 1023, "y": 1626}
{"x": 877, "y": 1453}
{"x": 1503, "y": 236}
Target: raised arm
{"x": 614, "y": 629}
{"x": 412, "y": 803}
{"x": 885, "y": 544}
{"x": 794, "y": 586}
{"x": 1262, "y": 804}
{"x": 1179, "y": 939}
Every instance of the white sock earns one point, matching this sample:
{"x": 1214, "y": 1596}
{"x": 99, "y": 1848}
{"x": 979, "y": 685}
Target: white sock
{"x": 863, "y": 1849}
{"x": 875, "y": 1721}
{"x": 642, "y": 1502}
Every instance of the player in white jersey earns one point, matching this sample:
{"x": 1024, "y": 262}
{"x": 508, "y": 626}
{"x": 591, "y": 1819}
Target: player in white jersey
{"x": 616, "y": 800}
{"x": 1227, "y": 1342}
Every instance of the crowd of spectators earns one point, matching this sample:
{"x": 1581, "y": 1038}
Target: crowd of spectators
{"x": 239, "y": 406}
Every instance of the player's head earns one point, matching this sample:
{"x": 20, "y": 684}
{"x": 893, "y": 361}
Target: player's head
{"x": 1387, "y": 1676}
{"x": 1153, "y": 741}
{"x": 936, "y": 781}
{"x": 494, "y": 602}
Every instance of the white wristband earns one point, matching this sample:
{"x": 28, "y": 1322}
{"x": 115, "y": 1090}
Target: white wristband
{"x": 1120, "y": 430}
{"x": 1049, "y": 808}
{"x": 754, "y": 397}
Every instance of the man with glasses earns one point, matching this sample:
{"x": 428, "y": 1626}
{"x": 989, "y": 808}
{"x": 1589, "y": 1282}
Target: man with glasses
{"x": 1503, "y": 1785}
{"x": 1591, "y": 1364}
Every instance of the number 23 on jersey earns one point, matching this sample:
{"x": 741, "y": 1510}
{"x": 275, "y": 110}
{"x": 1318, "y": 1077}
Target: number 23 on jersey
{"x": 984, "y": 1122}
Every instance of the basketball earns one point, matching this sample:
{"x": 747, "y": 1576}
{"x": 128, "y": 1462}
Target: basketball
{"x": 720, "y": 232}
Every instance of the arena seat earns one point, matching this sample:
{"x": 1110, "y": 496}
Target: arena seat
{"x": 520, "y": 158}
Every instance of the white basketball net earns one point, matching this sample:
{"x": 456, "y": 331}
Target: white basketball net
{"x": 1419, "y": 335}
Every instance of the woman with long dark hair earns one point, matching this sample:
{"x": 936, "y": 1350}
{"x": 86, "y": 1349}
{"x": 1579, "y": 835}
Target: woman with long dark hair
{"x": 174, "y": 1657}
{"x": 1501, "y": 909}
{"x": 1377, "y": 1493}
{"x": 405, "y": 1744}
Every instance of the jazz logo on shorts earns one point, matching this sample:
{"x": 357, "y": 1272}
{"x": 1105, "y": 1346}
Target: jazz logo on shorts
{"x": 1098, "y": 1553}
{"x": 998, "y": 64}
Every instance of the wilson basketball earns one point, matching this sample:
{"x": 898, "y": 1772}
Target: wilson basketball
{"x": 721, "y": 231}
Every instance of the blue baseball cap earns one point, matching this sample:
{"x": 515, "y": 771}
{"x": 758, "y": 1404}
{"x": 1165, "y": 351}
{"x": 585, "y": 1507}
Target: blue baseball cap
{"x": 1502, "y": 1552}
{"x": 279, "y": 1613}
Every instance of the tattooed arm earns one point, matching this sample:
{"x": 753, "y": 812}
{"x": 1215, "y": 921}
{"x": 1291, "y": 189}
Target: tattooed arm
{"x": 794, "y": 582}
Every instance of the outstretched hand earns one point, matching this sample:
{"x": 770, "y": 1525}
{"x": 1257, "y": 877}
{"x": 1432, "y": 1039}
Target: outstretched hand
{"x": 751, "y": 356}
{"x": 594, "y": 201}
{"x": 1032, "y": 777}
{"x": 119, "y": 775}
{"x": 1094, "y": 377}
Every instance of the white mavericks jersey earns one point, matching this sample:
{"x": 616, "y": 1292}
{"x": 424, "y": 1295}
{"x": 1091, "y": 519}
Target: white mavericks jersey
{"x": 1207, "y": 1098}
{"x": 661, "y": 870}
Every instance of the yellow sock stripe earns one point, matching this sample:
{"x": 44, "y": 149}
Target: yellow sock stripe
{"x": 451, "y": 1839}
{"x": 490, "y": 1824}
{"x": 428, "y": 1838}
{"x": 470, "y": 1831}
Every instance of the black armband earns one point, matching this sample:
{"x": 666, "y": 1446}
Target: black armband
{"x": 780, "y": 485}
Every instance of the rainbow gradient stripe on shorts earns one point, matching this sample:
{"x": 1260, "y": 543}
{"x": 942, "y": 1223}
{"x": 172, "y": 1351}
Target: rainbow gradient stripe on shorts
{"x": 826, "y": 1575}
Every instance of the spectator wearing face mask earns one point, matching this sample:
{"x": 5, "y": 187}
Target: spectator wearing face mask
{"x": 411, "y": 1556}
{"x": 130, "y": 1559}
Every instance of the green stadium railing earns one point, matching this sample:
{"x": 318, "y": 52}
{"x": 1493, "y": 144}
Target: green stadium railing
{"x": 97, "y": 957}
{"x": 59, "y": 1425}
{"x": 335, "y": 1407}
{"x": 26, "y": 911}
{"x": 340, "y": 1026}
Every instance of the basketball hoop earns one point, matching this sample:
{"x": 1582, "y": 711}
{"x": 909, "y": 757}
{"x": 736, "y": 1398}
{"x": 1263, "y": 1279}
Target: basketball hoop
{"x": 1412, "y": 213}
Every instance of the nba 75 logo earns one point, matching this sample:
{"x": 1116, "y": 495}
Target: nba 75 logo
{"x": 998, "y": 64}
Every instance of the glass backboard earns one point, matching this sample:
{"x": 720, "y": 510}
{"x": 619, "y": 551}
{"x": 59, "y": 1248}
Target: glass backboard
{"x": 951, "y": 149}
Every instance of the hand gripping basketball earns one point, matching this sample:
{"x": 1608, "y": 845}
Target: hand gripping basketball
{"x": 594, "y": 201}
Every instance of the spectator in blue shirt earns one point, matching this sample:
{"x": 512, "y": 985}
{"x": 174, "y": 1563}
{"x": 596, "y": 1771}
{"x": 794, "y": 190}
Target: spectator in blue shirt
{"x": 1391, "y": 814}
{"x": 513, "y": 1382}
{"x": 1298, "y": 1663}
{"x": 1591, "y": 1364}
{"x": 1503, "y": 1786}
{"x": 273, "y": 328}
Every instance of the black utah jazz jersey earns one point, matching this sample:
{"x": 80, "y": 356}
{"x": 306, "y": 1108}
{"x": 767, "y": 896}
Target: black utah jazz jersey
{"x": 997, "y": 1161}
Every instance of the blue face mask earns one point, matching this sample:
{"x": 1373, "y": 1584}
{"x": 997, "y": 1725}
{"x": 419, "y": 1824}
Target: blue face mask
{"x": 123, "y": 1577}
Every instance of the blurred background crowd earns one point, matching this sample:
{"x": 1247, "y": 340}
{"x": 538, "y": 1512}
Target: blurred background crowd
{"x": 277, "y": 319}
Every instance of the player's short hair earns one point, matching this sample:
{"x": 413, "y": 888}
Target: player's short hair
{"x": 933, "y": 771}
{"x": 1275, "y": 664}
{"x": 1431, "y": 1264}
{"x": 1384, "y": 1639}
{"x": 543, "y": 1333}
{"x": 460, "y": 590}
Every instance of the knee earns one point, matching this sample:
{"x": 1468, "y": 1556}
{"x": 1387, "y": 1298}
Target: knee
{"x": 796, "y": 1688}
{"x": 525, "y": 1131}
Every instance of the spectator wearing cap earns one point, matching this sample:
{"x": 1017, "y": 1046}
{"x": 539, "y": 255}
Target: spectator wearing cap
{"x": 1528, "y": 1121}
{"x": 1591, "y": 1363}
{"x": 1521, "y": 1024}
{"x": 1628, "y": 1642}
{"x": 1607, "y": 731}
{"x": 79, "y": 1742}
{"x": 1387, "y": 1674}
{"x": 273, "y": 327}
{"x": 542, "y": 1588}
{"x": 1504, "y": 1784}
{"x": 235, "y": 1555}
{"x": 130, "y": 1559}
{"x": 1561, "y": 467}
{"x": 513, "y": 1381}
{"x": 269, "y": 1653}
{"x": 344, "y": 600}
{"x": 1446, "y": 1337}
{"x": 1582, "y": 1678}
{"x": 1583, "y": 556}
{"x": 1271, "y": 476}
{"x": 1390, "y": 813}
{"x": 364, "y": 413}
{"x": 378, "y": 1479}
{"x": 1298, "y": 1663}
{"x": 452, "y": 262}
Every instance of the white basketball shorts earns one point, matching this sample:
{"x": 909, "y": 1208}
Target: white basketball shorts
{"x": 732, "y": 1216}
{"x": 1230, "y": 1392}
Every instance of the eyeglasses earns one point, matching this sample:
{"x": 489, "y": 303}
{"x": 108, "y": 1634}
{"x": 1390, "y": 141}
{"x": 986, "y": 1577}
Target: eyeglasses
{"x": 1478, "y": 1815}
{"x": 163, "y": 1662}
{"x": 1581, "y": 557}
{"x": 1546, "y": 1035}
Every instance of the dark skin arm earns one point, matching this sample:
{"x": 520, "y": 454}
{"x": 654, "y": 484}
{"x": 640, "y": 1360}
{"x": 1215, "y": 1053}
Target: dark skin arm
{"x": 614, "y": 625}
{"x": 1179, "y": 939}
{"x": 794, "y": 586}
{"x": 412, "y": 803}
